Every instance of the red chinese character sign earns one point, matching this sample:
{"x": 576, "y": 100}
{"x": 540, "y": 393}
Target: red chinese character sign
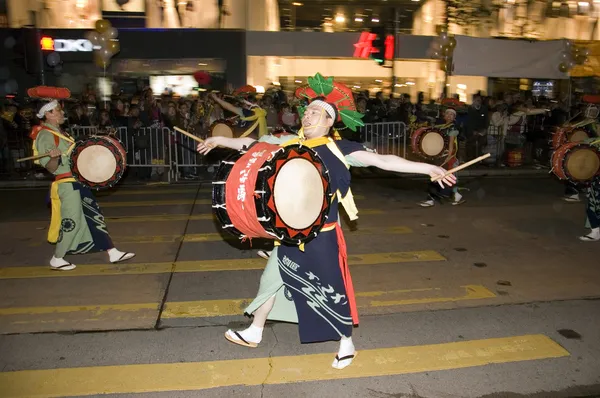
{"x": 364, "y": 48}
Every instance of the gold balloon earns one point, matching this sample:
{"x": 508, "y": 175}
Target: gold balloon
{"x": 113, "y": 46}
{"x": 452, "y": 42}
{"x": 446, "y": 50}
{"x": 102, "y": 25}
{"x": 440, "y": 28}
{"x": 563, "y": 67}
{"x": 100, "y": 61}
{"x": 444, "y": 66}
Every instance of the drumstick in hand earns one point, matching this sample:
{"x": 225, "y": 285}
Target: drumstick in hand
{"x": 192, "y": 136}
{"x": 36, "y": 157}
{"x": 462, "y": 166}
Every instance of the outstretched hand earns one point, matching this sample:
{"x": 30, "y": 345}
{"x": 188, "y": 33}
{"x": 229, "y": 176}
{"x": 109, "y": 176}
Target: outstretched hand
{"x": 448, "y": 180}
{"x": 207, "y": 145}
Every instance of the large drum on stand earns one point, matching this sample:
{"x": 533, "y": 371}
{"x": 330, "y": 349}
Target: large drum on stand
{"x": 576, "y": 162}
{"x": 429, "y": 142}
{"x": 98, "y": 162}
{"x": 273, "y": 192}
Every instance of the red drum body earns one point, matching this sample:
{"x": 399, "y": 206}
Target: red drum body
{"x": 429, "y": 143}
{"x": 273, "y": 192}
{"x": 98, "y": 161}
{"x": 515, "y": 158}
{"x": 565, "y": 135}
{"x": 577, "y": 162}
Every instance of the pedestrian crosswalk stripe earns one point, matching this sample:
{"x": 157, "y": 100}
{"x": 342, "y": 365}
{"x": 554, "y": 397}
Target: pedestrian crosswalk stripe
{"x": 216, "y": 308}
{"x": 212, "y": 237}
{"x": 172, "y": 202}
{"x": 205, "y": 265}
{"x": 153, "y": 191}
{"x": 83, "y": 317}
{"x": 163, "y": 191}
{"x": 215, "y": 237}
{"x": 168, "y": 202}
{"x": 164, "y": 217}
{"x": 194, "y": 376}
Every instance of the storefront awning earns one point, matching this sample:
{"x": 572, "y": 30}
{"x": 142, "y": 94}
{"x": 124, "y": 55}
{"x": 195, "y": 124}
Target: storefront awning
{"x": 475, "y": 56}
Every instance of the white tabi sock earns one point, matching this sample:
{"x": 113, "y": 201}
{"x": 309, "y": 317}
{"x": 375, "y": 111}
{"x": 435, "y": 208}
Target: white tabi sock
{"x": 61, "y": 264}
{"x": 595, "y": 233}
{"x": 346, "y": 349}
{"x": 116, "y": 256}
{"x": 253, "y": 334}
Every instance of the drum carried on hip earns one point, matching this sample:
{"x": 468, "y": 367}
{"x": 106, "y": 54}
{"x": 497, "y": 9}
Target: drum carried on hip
{"x": 429, "y": 142}
{"x": 565, "y": 135}
{"x": 273, "y": 192}
{"x": 577, "y": 162}
{"x": 98, "y": 161}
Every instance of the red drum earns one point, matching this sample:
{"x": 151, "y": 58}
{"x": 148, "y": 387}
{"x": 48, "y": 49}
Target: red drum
{"x": 273, "y": 192}
{"x": 515, "y": 158}
{"x": 429, "y": 142}
{"x": 98, "y": 161}
{"x": 568, "y": 134}
{"x": 577, "y": 162}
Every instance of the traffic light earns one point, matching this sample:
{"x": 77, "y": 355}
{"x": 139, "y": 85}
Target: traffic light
{"x": 378, "y": 52}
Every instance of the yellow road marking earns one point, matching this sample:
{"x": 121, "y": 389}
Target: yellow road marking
{"x": 229, "y": 307}
{"x": 215, "y": 237}
{"x": 153, "y": 191}
{"x": 173, "y": 202}
{"x": 190, "y": 376}
{"x": 176, "y": 217}
{"x": 205, "y": 265}
{"x": 163, "y": 191}
{"x": 216, "y": 308}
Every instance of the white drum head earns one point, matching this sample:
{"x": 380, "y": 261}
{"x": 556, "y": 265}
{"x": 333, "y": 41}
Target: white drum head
{"x": 298, "y": 193}
{"x": 96, "y": 163}
{"x": 583, "y": 164}
{"x": 578, "y": 136}
{"x": 432, "y": 144}
{"x": 222, "y": 130}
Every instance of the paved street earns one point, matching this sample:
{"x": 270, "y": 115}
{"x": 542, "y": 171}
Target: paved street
{"x": 494, "y": 298}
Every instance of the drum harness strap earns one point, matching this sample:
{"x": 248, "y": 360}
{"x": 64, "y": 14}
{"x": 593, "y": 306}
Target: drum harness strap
{"x": 260, "y": 120}
{"x": 57, "y": 136}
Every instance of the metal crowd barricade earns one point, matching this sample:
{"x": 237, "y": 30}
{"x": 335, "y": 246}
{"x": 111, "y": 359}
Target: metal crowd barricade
{"x": 387, "y": 138}
{"x": 147, "y": 147}
{"x": 187, "y": 159}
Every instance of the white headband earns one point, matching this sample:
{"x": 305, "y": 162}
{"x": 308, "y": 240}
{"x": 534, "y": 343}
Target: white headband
{"x": 47, "y": 108}
{"x": 326, "y": 107}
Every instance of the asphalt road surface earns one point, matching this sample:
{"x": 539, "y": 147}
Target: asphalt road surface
{"x": 493, "y": 298}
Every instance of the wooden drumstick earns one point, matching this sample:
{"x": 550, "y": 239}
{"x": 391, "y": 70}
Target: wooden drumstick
{"x": 192, "y": 136}
{"x": 462, "y": 166}
{"x": 34, "y": 157}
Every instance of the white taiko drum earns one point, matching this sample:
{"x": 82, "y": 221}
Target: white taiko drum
{"x": 285, "y": 191}
{"x": 98, "y": 161}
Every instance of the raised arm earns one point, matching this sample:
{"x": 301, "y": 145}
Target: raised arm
{"x": 231, "y": 143}
{"x": 401, "y": 165}
{"x": 228, "y": 106}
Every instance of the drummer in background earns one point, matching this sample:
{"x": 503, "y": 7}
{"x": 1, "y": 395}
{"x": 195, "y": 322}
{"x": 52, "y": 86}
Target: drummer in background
{"x": 248, "y": 113}
{"x": 435, "y": 191}
{"x": 77, "y": 225}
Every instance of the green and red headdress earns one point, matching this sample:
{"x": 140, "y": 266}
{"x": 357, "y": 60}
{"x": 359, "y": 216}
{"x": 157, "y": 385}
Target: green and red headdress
{"x": 336, "y": 94}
